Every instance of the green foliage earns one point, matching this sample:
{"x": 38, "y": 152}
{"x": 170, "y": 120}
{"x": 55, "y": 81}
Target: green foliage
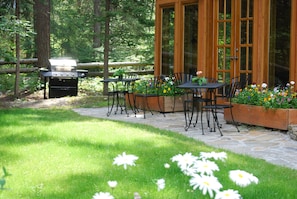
{"x": 163, "y": 86}
{"x": 261, "y": 96}
{"x": 131, "y": 30}
{"x": 9, "y": 27}
{"x": 74, "y": 156}
{"x": 199, "y": 80}
{"x": 3, "y": 178}
{"x": 28, "y": 81}
{"x": 119, "y": 72}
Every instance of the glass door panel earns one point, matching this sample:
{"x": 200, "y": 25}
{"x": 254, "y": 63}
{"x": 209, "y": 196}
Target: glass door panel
{"x": 167, "y": 41}
{"x": 279, "y": 49}
{"x": 234, "y": 43}
{"x": 224, "y": 21}
{"x": 245, "y": 44}
{"x": 190, "y": 38}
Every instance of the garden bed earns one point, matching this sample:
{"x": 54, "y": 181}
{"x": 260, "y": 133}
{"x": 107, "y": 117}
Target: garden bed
{"x": 260, "y": 116}
{"x": 165, "y": 104}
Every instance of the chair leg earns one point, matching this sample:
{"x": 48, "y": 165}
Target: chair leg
{"x": 197, "y": 113}
{"x": 235, "y": 123}
{"x": 110, "y": 106}
{"x": 201, "y": 119}
{"x": 188, "y": 114}
{"x": 216, "y": 120}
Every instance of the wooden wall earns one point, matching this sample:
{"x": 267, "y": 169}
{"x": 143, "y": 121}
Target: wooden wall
{"x": 206, "y": 37}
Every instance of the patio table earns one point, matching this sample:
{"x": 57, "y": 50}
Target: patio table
{"x": 117, "y": 94}
{"x": 210, "y": 89}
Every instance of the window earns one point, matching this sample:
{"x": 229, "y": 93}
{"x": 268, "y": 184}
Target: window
{"x": 279, "y": 46}
{"x": 167, "y": 41}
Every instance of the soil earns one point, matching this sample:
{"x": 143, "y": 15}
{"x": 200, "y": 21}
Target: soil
{"x": 36, "y": 100}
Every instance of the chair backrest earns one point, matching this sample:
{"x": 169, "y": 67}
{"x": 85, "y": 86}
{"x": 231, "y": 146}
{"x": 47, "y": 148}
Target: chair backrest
{"x": 181, "y": 78}
{"x": 211, "y": 80}
{"x": 233, "y": 87}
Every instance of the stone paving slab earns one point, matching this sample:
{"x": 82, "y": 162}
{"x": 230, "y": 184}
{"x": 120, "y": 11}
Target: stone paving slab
{"x": 275, "y": 147}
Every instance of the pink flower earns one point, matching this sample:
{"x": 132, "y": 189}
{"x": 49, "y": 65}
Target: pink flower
{"x": 199, "y": 72}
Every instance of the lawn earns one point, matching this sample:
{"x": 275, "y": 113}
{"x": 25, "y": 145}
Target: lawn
{"x": 58, "y": 154}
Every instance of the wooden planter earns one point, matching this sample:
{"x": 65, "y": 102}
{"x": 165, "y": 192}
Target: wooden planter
{"x": 259, "y": 116}
{"x": 164, "y": 104}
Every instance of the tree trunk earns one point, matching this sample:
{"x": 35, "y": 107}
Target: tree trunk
{"x": 97, "y": 26}
{"x": 17, "y": 44}
{"x": 42, "y": 28}
{"x": 106, "y": 45}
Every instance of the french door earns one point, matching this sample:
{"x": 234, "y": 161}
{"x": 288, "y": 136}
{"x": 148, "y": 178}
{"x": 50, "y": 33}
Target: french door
{"x": 234, "y": 40}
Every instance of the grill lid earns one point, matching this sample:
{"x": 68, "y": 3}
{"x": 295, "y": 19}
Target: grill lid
{"x": 62, "y": 65}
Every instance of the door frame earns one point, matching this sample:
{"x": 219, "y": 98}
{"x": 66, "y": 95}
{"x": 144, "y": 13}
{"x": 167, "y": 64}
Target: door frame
{"x": 231, "y": 66}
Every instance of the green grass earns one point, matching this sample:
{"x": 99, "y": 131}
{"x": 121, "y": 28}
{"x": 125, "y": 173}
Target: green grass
{"x": 57, "y": 154}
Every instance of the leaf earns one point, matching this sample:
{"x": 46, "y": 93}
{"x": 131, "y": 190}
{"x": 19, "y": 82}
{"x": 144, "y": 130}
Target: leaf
{"x": 2, "y": 183}
{"x": 5, "y": 172}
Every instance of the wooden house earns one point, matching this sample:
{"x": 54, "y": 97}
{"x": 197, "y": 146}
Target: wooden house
{"x": 255, "y": 40}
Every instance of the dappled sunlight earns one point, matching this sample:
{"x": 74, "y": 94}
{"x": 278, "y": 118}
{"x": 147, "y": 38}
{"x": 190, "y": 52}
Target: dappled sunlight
{"x": 60, "y": 154}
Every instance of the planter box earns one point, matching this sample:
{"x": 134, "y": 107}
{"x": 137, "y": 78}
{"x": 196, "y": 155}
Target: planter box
{"x": 164, "y": 104}
{"x": 259, "y": 116}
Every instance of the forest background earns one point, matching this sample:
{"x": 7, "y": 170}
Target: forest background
{"x": 80, "y": 29}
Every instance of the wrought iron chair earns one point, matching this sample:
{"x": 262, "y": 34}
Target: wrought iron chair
{"x": 226, "y": 97}
{"x": 125, "y": 88}
{"x": 194, "y": 103}
{"x": 181, "y": 78}
{"x": 151, "y": 85}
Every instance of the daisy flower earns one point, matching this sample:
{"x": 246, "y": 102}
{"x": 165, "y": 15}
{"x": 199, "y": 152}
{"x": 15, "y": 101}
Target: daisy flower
{"x": 206, "y": 167}
{"x": 264, "y": 85}
{"x": 112, "y": 184}
{"x": 228, "y": 194}
{"x": 184, "y": 161}
{"x": 161, "y": 184}
{"x": 207, "y": 184}
{"x": 242, "y": 178}
{"x": 125, "y": 160}
{"x": 167, "y": 166}
{"x": 103, "y": 195}
{"x": 217, "y": 156}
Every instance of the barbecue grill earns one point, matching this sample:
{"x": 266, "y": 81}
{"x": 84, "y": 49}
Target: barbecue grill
{"x": 62, "y": 77}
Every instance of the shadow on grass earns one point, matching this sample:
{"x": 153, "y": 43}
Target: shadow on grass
{"x": 91, "y": 147}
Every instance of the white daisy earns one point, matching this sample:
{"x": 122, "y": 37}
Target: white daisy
{"x": 242, "y": 178}
{"x": 167, "y": 166}
{"x": 205, "y": 167}
{"x": 161, "y": 184}
{"x": 217, "y": 156}
{"x": 264, "y": 85}
{"x": 112, "y": 184}
{"x": 184, "y": 161}
{"x": 103, "y": 195}
{"x": 207, "y": 184}
{"x": 125, "y": 160}
{"x": 228, "y": 194}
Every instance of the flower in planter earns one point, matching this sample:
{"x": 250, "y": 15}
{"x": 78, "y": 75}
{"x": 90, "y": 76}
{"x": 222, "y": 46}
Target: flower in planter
{"x": 200, "y": 80}
{"x": 279, "y": 97}
{"x": 168, "y": 87}
{"x": 164, "y": 86}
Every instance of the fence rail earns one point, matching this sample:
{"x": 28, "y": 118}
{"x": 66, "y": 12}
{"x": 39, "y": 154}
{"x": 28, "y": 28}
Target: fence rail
{"x": 134, "y": 67}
